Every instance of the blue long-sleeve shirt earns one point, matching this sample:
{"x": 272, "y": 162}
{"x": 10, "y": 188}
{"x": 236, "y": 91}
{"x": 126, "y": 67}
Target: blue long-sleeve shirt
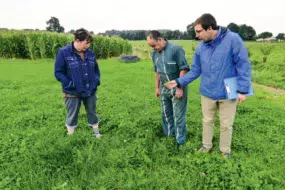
{"x": 224, "y": 57}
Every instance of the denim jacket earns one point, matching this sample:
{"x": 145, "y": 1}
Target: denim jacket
{"x": 78, "y": 77}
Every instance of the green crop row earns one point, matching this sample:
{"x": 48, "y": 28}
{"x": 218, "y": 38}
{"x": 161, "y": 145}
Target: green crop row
{"x": 39, "y": 45}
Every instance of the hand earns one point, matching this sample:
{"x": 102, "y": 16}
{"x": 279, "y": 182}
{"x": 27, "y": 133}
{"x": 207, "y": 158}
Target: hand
{"x": 157, "y": 92}
{"x": 170, "y": 84}
{"x": 179, "y": 93}
{"x": 241, "y": 98}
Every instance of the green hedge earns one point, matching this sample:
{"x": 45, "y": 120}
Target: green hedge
{"x": 39, "y": 45}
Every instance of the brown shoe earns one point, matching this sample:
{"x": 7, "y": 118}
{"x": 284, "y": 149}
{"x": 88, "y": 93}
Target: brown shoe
{"x": 204, "y": 149}
{"x": 225, "y": 155}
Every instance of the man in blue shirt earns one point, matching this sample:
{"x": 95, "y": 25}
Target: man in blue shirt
{"x": 221, "y": 54}
{"x": 77, "y": 70}
{"x": 169, "y": 64}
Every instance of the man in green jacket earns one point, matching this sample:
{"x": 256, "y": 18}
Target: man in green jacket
{"x": 169, "y": 64}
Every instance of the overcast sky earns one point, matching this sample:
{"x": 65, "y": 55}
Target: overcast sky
{"x": 99, "y": 16}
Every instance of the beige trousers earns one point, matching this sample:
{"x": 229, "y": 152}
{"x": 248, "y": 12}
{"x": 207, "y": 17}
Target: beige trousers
{"x": 227, "y": 111}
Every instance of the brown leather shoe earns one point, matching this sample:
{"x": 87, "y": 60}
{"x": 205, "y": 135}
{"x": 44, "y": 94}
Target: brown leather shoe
{"x": 204, "y": 149}
{"x": 225, "y": 155}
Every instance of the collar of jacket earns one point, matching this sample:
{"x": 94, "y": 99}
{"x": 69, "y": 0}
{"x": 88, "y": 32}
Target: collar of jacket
{"x": 166, "y": 44}
{"x": 73, "y": 50}
{"x": 221, "y": 34}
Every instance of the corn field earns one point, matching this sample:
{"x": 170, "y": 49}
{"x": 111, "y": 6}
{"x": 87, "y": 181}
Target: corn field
{"x": 38, "y": 45}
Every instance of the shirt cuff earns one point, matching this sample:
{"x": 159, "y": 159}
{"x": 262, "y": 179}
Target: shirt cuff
{"x": 178, "y": 83}
{"x": 184, "y": 67}
{"x": 241, "y": 92}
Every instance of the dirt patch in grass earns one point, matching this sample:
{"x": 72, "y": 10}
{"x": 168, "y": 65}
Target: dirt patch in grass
{"x": 270, "y": 89}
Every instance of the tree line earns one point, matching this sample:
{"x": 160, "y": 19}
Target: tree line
{"x": 246, "y": 32}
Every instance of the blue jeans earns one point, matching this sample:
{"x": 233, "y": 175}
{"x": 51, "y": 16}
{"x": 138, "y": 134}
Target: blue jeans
{"x": 73, "y": 107}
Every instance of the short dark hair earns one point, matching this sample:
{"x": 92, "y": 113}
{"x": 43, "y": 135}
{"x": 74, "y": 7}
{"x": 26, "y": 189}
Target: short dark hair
{"x": 207, "y": 20}
{"x": 82, "y": 34}
{"x": 154, "y": 34}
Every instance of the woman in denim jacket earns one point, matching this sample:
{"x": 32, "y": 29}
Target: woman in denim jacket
{"x": 77, "y": 70}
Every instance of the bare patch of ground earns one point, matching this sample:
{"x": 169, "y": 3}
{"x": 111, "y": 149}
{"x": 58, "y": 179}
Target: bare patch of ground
{"x": 270, "y": 89}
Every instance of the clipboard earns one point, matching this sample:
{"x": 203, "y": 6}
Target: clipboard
{"x": 231, "y": 88}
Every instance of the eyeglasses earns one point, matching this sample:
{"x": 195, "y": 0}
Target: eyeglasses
{"x": 199, "y": 31}
{"x": 153, "y": 45}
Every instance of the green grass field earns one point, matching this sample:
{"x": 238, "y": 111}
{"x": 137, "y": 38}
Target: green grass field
{"x": 36, "y": 153}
